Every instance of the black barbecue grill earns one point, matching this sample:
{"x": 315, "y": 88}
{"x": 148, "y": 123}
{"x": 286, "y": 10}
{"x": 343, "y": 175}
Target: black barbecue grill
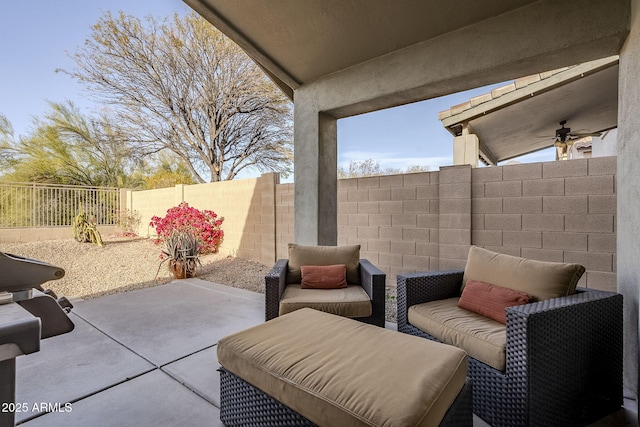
{"x": 28, "y": 313}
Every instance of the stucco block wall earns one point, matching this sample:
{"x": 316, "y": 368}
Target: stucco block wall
{"x": 556, "y": 211}
{"x": 239, "y": 202}
{"x": 248, "y": 207}
{"x": 427, "y": 221}
{"x": 559, "y": 211}
{"x": 284, "y": 218}
{"x": 391, "y": 218}
{"x": 152, "y": 202}
{"x": 454, "y": 209}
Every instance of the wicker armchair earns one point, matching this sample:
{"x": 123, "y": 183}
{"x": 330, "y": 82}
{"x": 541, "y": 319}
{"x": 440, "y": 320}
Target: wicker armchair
{"x": 372, "y": 281}
{"x": 563, "y": 355}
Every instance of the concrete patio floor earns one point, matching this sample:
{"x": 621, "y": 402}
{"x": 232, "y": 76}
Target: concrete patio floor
{"x": 148, "y": 358}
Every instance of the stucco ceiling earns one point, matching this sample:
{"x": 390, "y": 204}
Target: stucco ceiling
{"x": 299, "y": 41}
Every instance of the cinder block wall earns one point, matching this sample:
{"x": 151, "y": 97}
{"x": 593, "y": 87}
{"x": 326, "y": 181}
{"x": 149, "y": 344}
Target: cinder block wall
{"x": 284, "y": 219}
{"x": 238, "y": 202}
{"x": 555, "y": 211}
{"x": 394, "y": 218}
{"x": 247, "y": 205}
{"x": 151, "y": 203}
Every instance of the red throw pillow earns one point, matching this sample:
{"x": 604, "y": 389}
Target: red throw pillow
{"x": 491, "y": 300}
{"x": 324, "y": 276}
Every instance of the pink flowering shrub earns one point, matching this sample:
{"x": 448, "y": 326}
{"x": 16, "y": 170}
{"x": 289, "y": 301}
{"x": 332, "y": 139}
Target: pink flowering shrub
{"x": 203, "y": 224}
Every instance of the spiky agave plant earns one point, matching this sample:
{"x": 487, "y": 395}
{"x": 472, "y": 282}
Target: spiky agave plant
{"x": 181, "y": 250}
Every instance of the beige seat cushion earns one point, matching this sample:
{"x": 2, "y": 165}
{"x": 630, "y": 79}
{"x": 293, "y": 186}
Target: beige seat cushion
{"x": 540, "y": 279}
{"x": 339, "y": 372}
{"x": 482, "y": 338}
{"x": 300, "y": 255}
{"x": 351, "y": 301}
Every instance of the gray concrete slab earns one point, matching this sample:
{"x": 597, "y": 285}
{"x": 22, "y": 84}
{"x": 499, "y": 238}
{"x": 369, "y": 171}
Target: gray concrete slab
{"x": 71, "y": 366}
{"x": 198, "y": 372}
{"x": 236, "y": 292}
{"x": 153, "y": 399}
{"x": 108, "y": 384}
{"x": 167, "y": 322}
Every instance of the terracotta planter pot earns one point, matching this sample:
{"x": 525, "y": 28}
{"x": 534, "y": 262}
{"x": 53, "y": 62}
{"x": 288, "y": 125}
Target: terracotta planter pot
{"x": 178, "y": 269}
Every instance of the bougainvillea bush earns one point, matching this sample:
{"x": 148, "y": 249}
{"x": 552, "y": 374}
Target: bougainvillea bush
{"x": 203, "y": 224}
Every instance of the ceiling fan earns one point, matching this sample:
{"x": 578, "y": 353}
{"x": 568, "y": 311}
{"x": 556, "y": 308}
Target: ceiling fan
{"x": 564, "y": 135}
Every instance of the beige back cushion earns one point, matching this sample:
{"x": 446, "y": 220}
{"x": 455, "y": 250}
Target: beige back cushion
{"x": 323, "y": 255}
{"x": 540, "y": 279}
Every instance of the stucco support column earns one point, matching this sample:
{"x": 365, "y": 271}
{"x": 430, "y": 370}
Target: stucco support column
{"x": 628, "y": 188}
{"x": 315, "y": 175}
{"x": 466, "y": 149}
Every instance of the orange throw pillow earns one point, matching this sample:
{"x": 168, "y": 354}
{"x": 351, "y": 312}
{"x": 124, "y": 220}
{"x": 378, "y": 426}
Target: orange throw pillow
{"x": 324, "y": 276}
{"x": 491, "y": 300}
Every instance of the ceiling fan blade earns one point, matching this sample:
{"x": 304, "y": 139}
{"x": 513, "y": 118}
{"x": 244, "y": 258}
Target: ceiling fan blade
{"x": 575, "y": 137}
{"x": 582, "y": 135}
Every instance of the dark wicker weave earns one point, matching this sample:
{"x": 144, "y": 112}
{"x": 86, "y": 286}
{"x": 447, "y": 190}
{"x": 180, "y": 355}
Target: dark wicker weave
{"x": 564, "y": 355}
{"x": 372, "y": 279}
{"x": 241, "y": 404}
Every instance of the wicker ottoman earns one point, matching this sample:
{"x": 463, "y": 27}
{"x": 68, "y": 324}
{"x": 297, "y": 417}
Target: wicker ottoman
{"x": 312, "y": 368}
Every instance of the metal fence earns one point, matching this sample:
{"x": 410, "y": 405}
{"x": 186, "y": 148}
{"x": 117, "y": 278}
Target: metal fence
{"x": 49, "y": 205}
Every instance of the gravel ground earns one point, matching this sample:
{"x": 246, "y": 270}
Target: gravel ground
{"x": 125, "y": 264}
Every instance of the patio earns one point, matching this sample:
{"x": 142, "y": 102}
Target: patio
{"x": 147, "y": 358}
{"x": 342, "y": 59}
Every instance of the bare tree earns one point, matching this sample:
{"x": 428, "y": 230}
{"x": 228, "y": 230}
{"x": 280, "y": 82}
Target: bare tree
{"x": 179, "y": 84}
{"x": 371, "y": 167}
{"x": 359, "y": 169}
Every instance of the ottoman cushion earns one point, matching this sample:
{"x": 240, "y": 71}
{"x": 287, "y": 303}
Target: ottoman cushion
{"x": 336, "y": 371}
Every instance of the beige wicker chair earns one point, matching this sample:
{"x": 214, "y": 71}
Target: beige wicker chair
{"x": 563, "y": 355}
{"x": 372, "y": 281}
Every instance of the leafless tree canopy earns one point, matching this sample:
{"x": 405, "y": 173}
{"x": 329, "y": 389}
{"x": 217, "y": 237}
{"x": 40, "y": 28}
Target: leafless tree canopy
{"x": 180, "y": 85}
{"x": 371, "y": 167}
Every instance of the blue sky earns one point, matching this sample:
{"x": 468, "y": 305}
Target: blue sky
{"x": 35, "y": 36}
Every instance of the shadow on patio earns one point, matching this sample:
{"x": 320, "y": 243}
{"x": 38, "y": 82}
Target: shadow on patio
{"x": 147, "y": 358}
